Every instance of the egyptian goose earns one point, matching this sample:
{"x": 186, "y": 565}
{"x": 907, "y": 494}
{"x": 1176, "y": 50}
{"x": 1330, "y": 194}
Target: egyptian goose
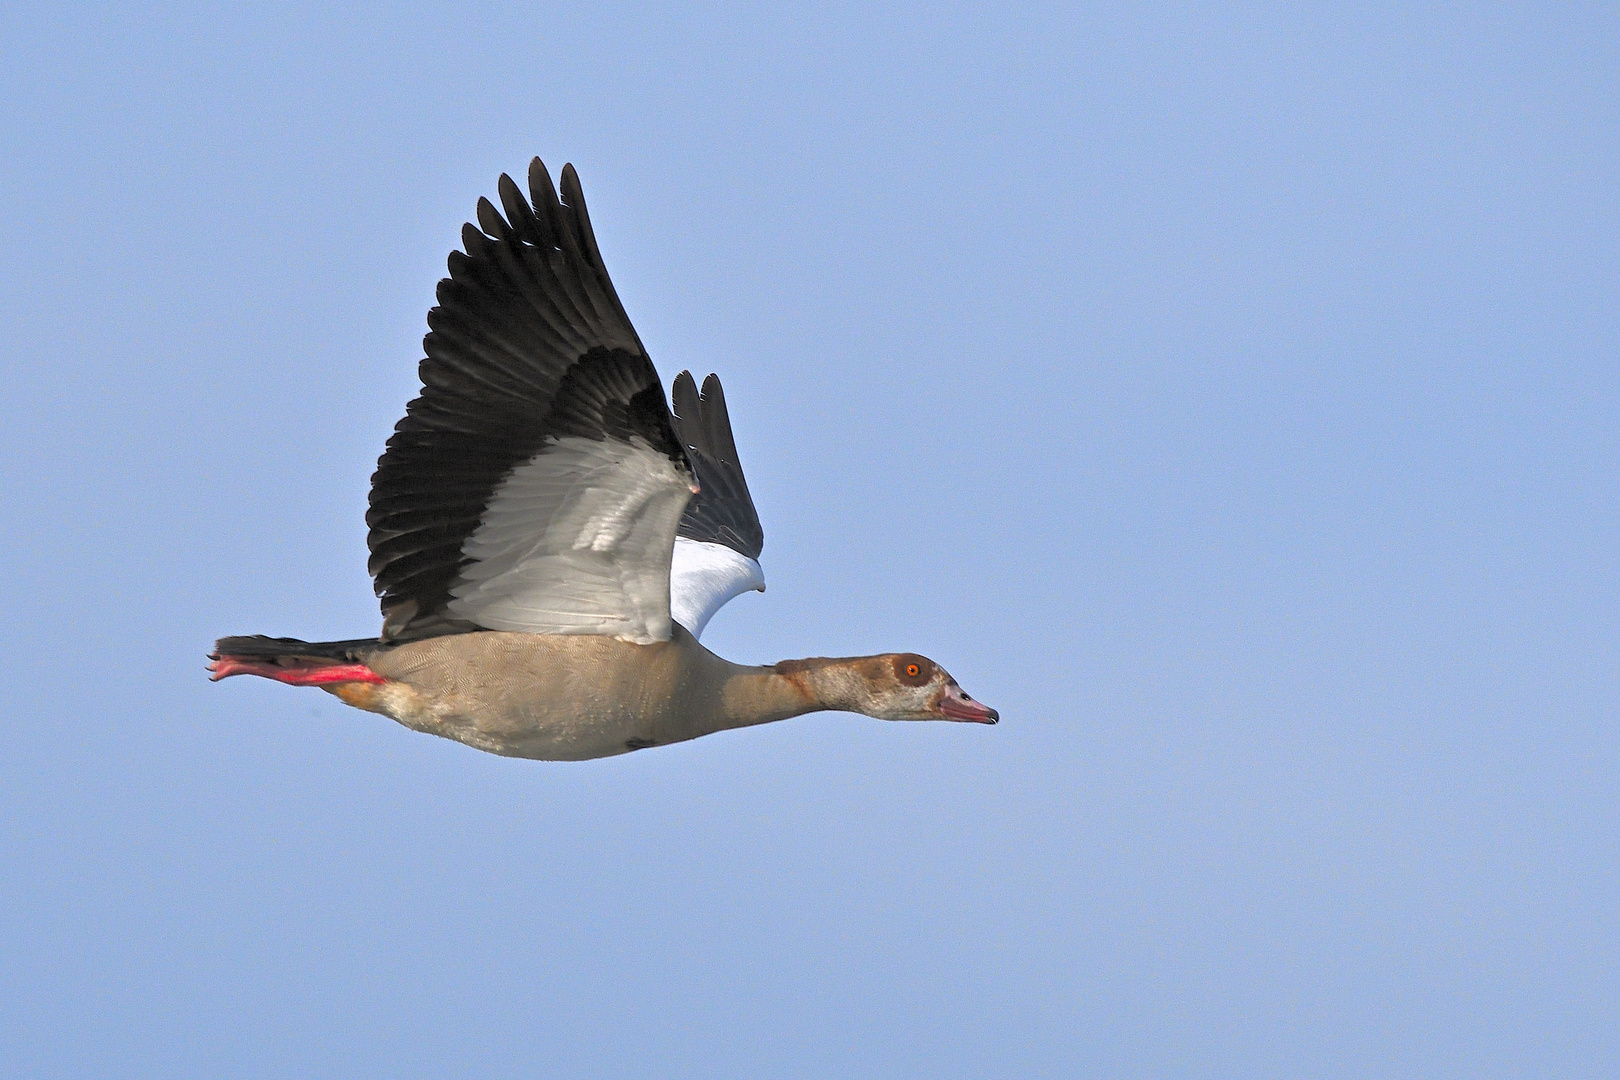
{"x": 548, "y": 540}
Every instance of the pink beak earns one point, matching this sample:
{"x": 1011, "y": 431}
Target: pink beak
{"x": 954, "y": 704}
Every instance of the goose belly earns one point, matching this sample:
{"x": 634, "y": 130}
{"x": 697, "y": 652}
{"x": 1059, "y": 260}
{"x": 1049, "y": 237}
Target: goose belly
{"x": 547, "y": 697}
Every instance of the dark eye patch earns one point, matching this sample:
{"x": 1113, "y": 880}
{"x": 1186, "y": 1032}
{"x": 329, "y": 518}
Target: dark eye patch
{"x": 913, "y": 670}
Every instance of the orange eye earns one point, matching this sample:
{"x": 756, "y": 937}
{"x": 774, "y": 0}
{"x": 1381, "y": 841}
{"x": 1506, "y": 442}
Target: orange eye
{"x": 913, "y": 670}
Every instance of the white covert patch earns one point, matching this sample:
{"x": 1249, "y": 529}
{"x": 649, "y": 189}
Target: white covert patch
{"x": 703, "y": 577}
{"x": 577, "y": 540}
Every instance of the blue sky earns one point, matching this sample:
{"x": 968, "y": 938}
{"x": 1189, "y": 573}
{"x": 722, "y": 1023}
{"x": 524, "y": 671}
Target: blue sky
{"x": 1227, "y": 396}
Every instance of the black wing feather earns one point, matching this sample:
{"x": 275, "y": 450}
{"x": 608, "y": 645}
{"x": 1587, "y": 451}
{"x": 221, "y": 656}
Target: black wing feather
{"x": 722, "y": 512}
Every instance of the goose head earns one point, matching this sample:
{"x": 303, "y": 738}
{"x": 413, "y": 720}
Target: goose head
{"x": 907, "y": 686}
{"x": 892, "y": 686}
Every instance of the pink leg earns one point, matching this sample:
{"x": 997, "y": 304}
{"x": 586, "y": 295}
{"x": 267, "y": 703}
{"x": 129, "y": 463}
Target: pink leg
{"x": 227, "y": 666}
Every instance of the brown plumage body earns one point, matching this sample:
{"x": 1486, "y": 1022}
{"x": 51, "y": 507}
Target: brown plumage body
{"x": 575, "y": 697}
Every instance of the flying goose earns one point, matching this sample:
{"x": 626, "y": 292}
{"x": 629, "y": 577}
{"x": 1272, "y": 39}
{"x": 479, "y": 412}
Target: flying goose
{"x": 548, "y": 540}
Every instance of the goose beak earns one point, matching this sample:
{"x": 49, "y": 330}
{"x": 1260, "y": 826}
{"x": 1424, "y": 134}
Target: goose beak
{"x": 954, "y": 704}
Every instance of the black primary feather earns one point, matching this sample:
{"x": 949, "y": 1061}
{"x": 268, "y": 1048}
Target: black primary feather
{"x": 722, "y": 512}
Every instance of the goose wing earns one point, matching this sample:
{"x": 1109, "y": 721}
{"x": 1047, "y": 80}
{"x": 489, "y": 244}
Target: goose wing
{"x": 718, "y": 544}
{"x": 537, "y": 483}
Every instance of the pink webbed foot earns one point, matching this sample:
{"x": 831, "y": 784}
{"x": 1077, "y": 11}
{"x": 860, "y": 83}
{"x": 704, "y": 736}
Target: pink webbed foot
{"x": 224, "y": 667}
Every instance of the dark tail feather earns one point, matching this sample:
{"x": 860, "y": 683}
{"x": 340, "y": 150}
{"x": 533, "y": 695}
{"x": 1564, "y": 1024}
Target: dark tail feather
{"x": 291, "y": 650}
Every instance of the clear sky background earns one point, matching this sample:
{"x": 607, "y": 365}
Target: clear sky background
{"x": 1229, "y": 397}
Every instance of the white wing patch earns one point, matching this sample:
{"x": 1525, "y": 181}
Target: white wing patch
{"x": 703, "y": 577}
{"x": 577, "y": 540}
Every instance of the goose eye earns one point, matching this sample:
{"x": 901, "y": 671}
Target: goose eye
{"x": 912, "y": 670}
